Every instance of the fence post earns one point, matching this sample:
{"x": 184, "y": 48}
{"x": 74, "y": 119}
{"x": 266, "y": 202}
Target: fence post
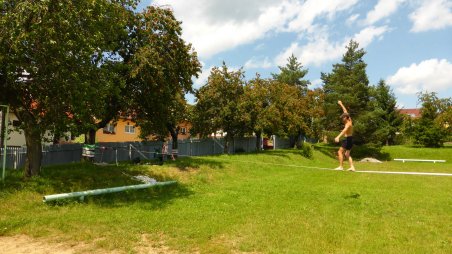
{"x": 130, "y": 151}
{"x": 15, "y": 159}
{"x": 6, "y": 138}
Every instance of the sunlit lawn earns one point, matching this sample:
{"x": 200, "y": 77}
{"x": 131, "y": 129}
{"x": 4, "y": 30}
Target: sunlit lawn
{"x": 272, "y": 202}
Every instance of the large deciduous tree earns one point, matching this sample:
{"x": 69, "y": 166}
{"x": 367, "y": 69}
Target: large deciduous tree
{"x": 217, "y": 107}
{"x": 433, "y": 127}
{"x": 293, "y": 74}
{"x": 161, "y": 66}
{"x": 258, "y": 115}
{"x": 289, "y": 110}
{"x": 50, "y": 53}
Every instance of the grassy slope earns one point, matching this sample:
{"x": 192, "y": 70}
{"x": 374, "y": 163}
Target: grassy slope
{"x": 244, "y": 203}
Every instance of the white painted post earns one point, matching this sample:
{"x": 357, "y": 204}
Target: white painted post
{"x": 116, "y": 152}
{"x": 130, "y": 151}
{"x": 15, "y": 159}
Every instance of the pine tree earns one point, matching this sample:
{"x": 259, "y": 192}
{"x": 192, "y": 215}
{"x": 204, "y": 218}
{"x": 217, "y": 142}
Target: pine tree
{"x": 384, "y": 103}
{"x": 293, "y": 74}
{"x": 347, "y": 82}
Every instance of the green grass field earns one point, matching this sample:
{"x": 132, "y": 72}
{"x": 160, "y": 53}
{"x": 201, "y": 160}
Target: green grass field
{"x": 271, "y": 202}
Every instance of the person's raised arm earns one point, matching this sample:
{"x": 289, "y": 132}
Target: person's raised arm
{"x": 342, "y": 106}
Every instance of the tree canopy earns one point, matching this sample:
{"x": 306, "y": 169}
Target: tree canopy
{"x": 74, "y": 65}
{"x": 50, "y": 53}
{"x": 217, "y": 105}
{"x": 161, "y": 65}
{"x": 433, "y": 127}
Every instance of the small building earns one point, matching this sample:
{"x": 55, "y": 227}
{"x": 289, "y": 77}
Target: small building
{"x": 17, "y": 137}
{"x": 125, "y": 130}
{"x": 412, "y": 112}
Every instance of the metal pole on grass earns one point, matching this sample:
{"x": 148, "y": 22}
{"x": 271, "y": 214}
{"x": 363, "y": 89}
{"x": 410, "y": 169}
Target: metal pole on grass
{"x": 4, "y": 142}
{"x": 82, "y": 194}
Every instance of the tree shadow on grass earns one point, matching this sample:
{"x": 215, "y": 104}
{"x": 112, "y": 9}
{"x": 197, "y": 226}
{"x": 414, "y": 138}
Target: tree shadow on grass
{"x": 285, "y": 152}
{"x": 156, "y": 197}
{"x": 329, "y": 151}
{"x": 85, "y": 176}
{"x": 188, "y": 163}
{"x": 217, "y": 162}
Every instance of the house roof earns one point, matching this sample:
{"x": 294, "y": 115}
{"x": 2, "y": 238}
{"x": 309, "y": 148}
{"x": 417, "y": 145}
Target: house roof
{"x": 413, "y": 112}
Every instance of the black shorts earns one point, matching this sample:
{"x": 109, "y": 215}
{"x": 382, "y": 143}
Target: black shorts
{"x": 347, "y": 143}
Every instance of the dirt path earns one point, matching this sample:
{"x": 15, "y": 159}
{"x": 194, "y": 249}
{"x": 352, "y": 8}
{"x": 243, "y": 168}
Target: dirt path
{"x": 22, "y": 244}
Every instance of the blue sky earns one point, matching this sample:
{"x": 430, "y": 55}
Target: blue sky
{"x": 408, "y": 42}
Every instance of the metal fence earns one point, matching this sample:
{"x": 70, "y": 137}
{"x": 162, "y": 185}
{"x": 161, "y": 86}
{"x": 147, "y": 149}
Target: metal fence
{"x": 113, "y": 152}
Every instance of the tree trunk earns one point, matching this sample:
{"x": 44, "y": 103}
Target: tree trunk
{"x": 175, "y": 145}
{"x": 292, "y": 141}
{"x": 91, "y": 137}
{"x": 174, "y": 131}
{"x": 34, "y": 152}
{"x": 258, "y": 141}
{"x": 299, "y": 140}
{"x": 56, "y": 138}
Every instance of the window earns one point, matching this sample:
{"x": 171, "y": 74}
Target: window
{"x": 130, "y": 129}
{"x": 183, "y": 130}
{"x": 109, "y": 129}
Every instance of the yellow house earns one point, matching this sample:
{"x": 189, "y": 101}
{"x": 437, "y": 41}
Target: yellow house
{"x": 124, "y": 130}
{"x": 184, "y": 130}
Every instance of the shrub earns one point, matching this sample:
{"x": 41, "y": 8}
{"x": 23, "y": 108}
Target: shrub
{"x": 307, "y": 150}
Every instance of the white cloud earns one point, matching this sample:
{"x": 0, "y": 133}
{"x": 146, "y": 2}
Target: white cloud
{"x": 255, "y": 63}
{"x": 259, "y": 47}
{"x": 317, "y": 83}
{"x": 432, "y": 15}
{"x": 352, "y": 19}
{"x": 431, "y": 75}
{"x": 321, "y": 50}
{"x": 312, "y": 9}
{"x": 317, "y": 52}
{"x": 202, "y": 79}
{"x": 383, "y": 9}
{"x": 369, "y": 34}
{"x": 214, "y": 26}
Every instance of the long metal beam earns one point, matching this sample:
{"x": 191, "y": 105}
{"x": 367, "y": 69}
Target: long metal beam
{"x": 82, "y": 194}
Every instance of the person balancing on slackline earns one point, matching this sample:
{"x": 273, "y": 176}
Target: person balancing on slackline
{"x": 347, "y": 143}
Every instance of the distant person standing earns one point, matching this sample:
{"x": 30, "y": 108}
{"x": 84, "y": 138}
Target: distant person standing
{"x": 347, "y": 143}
